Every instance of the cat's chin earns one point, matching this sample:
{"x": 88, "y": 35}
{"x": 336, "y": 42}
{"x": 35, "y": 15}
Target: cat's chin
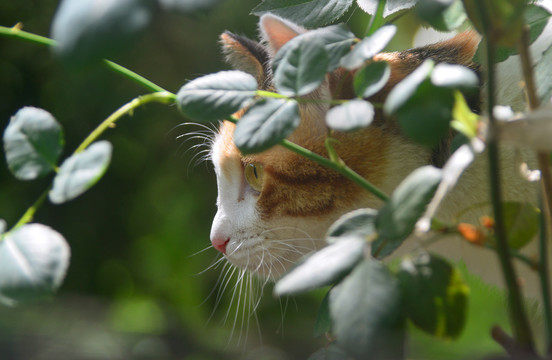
{"x": 270, "y": 258}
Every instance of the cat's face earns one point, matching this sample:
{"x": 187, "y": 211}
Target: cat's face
{"x": 275, "y": 207}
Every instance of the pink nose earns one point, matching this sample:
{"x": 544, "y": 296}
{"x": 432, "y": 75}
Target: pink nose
{"x": 220, "y": 244}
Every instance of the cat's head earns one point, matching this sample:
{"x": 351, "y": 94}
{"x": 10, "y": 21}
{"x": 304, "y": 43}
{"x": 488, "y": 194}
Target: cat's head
{"x": 274, "y": 207}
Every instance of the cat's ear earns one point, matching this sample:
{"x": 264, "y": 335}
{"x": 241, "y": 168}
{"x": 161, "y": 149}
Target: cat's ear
{"x": 277, "y": 31}
{"x": 245, "y": 55}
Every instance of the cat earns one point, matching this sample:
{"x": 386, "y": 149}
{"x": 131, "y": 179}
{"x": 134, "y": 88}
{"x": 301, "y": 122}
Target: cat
{"x": 276, "y": 206}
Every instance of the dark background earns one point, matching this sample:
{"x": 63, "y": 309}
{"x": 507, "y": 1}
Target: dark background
{"x": 136, "y": 286}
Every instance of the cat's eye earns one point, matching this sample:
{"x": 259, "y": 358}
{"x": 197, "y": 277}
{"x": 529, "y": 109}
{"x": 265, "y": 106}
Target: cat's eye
{"x": 254, "y": 176}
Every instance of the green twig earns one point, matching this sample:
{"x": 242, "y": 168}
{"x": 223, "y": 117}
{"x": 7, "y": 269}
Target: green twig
{"x": 520, "y": 325}
{"x": 161, "y": 97}
{"x": 377, "y": 19}
{"x": 29, "y": 214}
{"x": 16, "y": 33}
{"x": 546, "y": 187}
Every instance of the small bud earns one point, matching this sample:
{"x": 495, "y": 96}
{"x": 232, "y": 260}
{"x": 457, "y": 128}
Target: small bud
{"x": 487, "y": 222}
{"x": 472, "y": 234}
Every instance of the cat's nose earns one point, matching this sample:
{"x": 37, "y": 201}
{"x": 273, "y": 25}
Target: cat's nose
{"x": 220, "y": 243}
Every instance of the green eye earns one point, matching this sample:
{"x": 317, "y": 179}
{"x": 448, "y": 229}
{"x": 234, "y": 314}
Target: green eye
{"x": 254, "y": 176}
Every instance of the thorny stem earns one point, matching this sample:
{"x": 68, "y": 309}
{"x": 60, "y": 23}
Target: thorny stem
{"x": 17, "y": 33}
{"x": 520, "y": 325}
{"x": 546, "y": 187}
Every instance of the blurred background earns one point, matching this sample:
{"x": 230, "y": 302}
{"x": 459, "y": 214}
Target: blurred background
{"x": 137, "y": 286}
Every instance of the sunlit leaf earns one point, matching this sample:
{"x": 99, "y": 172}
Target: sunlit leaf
{"x": 216, "y": 96}
{"x": 371, "y": 78}
{"x": 353, "y": 115}
{"x": 406, "y": 88}
{"x": 464, "y": 120}
{"x": 337, "y": 40}
{"x": 309, "y": 13}
{"x": 391, "y": 6}
{"x": 367, "y": 313}
{"x": 397, "y": 218}
{"x": 87, "y": 31}
{"x": 80, "y": 172}
{"x": 323, "y": 268}
{"x": 435, "y": 296}
{"x": 302, "y": 68}
{"x": 33, "y": 262}
{"x": 265, "y": 124}
{"x": 368, "y": 47}
{"x": 453, "y": 169}
{"x": 33, "y": 141}
{"x": 454, "y": 76}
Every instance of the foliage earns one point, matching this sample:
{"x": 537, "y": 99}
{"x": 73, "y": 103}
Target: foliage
{"x": 370, "y": 303}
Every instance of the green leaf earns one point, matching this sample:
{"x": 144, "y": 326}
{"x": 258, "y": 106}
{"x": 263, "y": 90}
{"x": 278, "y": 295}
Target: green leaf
{"x": 543, "y": 76}
{"x": 80, "y": 172}
{"x": 391, "y": 6}
{"x": 454, "y": 76}
{"x": 397, "y": 218}
{"x": 368, "y": 47}
{"x": 3, "y": 226}
{"x": 324, "y": 267}
{"x": 33, "y": 141}
{"x": 406, "y": 88}
{"x": 337, "y": 41}
{"x": 87, "y": 31}
{"x": 216, "y": 96}
{"x": 357, "y": 223}
{"x": 536, "y": 17}
{"x": 464, "y": 120}
{"x": 265, "y": 124}
{"x": 426, "y": 116}
{"x": 309, "y": 13}
{"x": 188, "y": 6}
{"x": 33, "y": 262}
{"x": 302, "y": 68}
{"x": 521, "y": 223}
{"x": 323, "y": 323}
{"x": 443, "y": 15}
{"x": 331, "y": 352}
{"x": 353, "y": 115}
{"x": 435, "y": 296}
{"x": 371, "y": 78}
{"x": 367, "y": 315}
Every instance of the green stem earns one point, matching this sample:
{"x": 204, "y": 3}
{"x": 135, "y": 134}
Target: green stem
{"x": 520, "y": 325}
{"x": 546, "y": 188}
{"x": 302, "y": 100}
{"x": 377, "y": 19}
{"x": 29, "y": 214}
{"x": 17, "y": 33}
{"x": 161, "y": 97}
